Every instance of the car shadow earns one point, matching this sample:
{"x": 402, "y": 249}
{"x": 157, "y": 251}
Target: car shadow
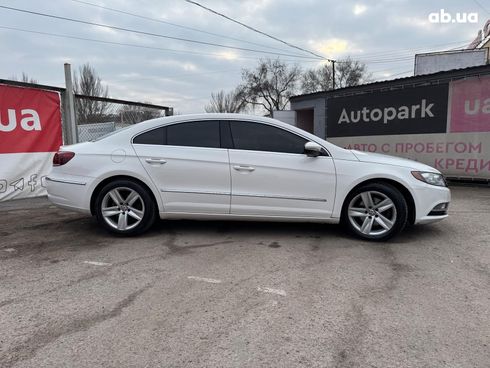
{"x": 244, "y": 228}
{"x": 412, "y": 233}
{"x": 74, "y": 232}
{"x": 418, "y": 234}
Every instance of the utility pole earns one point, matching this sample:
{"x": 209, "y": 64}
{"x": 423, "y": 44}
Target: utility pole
{"x": 333, "y": 74}
{"x": 69, "y": 125}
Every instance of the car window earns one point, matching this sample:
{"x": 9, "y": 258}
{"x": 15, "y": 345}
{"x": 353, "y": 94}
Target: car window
{"x": 262, "y": 137}
{"x": 154, "y": 136}
{"x": 194, "y": 134}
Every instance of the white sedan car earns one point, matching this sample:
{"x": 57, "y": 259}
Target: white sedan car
{"x": 240, "y": 167}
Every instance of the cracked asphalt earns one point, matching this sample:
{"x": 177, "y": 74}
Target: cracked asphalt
{"x": 238, "y": 294}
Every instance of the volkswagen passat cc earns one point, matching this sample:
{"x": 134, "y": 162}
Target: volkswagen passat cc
{"x": 240, "y": 167}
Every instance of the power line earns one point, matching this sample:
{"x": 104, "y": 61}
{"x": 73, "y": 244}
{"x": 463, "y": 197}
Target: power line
{"x": 457, "y": 48}
{"x": 135, "y": 45}
{"x": 394, "y": 58}
{"x": 389, "y": 60}
{"x": 385, "y": 70}
{"x": 163, "y": 77}
{"x": 481, "y": 6}
{"x": 396, "y": 74}
{"x": 173, "y": 24}
{"x": 390, "y": 77}
{"x": 367, "y": 61}
{"x": 405, "y": 72}
{"x": 150, "y": 33}
{"x": 182, "y": 39}
{"x": 255, "y": 29}
{"x": 161, "y": 48}
{"x": 384, "y": 58}
{"x": 412, "y": 50}
{"x": 286, "y": 43}
{"x": 155, "y": 48}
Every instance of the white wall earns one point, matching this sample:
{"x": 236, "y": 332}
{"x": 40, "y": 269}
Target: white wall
{"x": 441, "y": 61}
{"x": 286, "y": 116}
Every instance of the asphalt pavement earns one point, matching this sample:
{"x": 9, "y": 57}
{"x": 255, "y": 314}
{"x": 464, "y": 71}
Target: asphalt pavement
{"x": 243, "y": 294}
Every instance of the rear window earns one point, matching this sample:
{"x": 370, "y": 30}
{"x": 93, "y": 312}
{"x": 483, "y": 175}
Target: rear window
{"x": 189, "y": 134}
{"x": 154, "y": 136}
{"x": 194, "y": 134}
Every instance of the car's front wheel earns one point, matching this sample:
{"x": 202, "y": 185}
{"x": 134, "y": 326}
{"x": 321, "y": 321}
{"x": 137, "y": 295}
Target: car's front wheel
{"x": 125, "y": 207}
{"x": 375, "y": 211}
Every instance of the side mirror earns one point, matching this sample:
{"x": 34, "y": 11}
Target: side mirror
{"x": 313, "y": 149}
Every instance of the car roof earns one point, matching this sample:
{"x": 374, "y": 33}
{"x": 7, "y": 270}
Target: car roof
{"x": 154, "y": 123}
{"x": 212, "y": 116}
{"x": 148, "y": 124}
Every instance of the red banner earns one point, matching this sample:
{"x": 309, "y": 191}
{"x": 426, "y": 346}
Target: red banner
{"x": 30, "y": 120}
{"x": 470, "y": 105}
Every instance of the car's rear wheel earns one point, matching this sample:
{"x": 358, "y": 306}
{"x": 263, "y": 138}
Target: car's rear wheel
{"x": 375, "y": 211}
{"x": 125, "y": 207}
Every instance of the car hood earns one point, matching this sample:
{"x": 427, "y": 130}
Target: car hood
{"x": 392, "y": 160}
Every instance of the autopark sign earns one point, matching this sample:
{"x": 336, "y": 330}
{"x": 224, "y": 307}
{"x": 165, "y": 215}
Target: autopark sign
{"x": 415, "y": 110}
{"x": 30, "y": 131}
{"x": 446, "y": 126}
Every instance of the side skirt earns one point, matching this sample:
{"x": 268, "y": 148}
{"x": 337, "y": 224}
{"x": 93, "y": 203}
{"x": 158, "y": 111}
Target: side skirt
{"x": 231, "y": 217}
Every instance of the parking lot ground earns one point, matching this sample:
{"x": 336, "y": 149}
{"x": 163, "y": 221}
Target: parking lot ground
{"x": 243, "y": 294}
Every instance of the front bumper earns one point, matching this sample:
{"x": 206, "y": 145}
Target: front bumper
{"x": 427, "y": 197}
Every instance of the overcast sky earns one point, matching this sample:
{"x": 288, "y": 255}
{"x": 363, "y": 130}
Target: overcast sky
{"x": 383, "y": 33}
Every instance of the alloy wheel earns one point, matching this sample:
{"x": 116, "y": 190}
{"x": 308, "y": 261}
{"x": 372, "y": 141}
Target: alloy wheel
{"x": 122, "y": 208}
{"x": 372, "y": 213}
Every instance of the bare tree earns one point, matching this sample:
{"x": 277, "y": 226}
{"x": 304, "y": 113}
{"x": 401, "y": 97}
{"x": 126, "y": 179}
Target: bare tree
{"x": 134, "y": 114}
{"x": 270, "y": 84}
{"x": 314, "y": 80}
{"x": 232, "y": 102}
{"x": 348, "y": 73}
{"x": 88, "y": 83}
{"x": 25, "y": 78}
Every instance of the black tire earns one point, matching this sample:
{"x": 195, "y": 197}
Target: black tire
{"x": 398, "y": 213}
{"x": 144, "y": 204}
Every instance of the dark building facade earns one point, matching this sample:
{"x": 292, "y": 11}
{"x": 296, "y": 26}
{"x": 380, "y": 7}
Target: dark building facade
{"x": 442, "y": 119}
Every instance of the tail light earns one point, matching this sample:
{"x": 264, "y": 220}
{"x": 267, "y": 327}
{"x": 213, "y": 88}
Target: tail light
{"x": 62, "y": 157}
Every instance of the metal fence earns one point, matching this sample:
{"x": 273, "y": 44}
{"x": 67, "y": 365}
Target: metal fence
{"x": 97, "y": 116}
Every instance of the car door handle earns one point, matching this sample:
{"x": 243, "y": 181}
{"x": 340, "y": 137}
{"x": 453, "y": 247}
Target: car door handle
{"x": 243, "y": 168}
{"x": 160, "y": 161}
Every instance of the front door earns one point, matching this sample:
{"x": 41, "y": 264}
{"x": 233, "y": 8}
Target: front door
{"x": 271, "y": 175}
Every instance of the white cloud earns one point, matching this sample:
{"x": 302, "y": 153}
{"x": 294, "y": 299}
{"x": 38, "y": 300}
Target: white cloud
{"x": 413, "y": 22}
{"x": 178, "y": 64}
{"x": 185, "y": 80}
{"x": 255, "y": 6}
{"x": 189, "y": 67}
{"x": 359, "y": 9}
{"x": 227, "y": 55}
{"x": 332, "y": 48}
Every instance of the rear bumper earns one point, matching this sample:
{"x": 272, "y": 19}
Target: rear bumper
{"x": 69, "y": 192}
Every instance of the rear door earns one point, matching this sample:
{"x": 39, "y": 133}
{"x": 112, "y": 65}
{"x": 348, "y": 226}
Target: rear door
{"x": 271, "y": 175}
{"x": 188, "y": 165}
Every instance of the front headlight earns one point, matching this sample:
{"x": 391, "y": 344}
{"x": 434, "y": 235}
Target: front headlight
{"x": 430, "y": 178}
